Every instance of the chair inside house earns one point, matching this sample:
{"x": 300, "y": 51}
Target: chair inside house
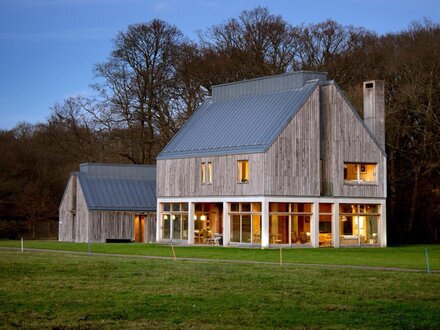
{"x": 294, "y": 237}
{"x": 303, "y": 237}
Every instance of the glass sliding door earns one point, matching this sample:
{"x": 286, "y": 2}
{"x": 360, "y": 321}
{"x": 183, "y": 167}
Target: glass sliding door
{"x": 174, "y": 221}
{"x": 289, "y": 223}
{"x": 359, "y": 224}
{"x": 245, "y": 223}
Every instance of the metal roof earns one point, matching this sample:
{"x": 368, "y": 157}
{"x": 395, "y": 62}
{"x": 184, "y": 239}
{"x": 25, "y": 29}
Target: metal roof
{"x": 118, "y": 194}
{"x": 119, "y": 170}
{"x": 243, "y": 124}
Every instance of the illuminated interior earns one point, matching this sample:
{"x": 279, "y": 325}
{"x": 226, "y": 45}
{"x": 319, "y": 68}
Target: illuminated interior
{"x": 139, "y": 228}
{"x": 208, "y": 223}
{"x": 359, "y": 173}
{"x": 325, "y": 224}
{"x": 174, "y": 224}
{"x": 243, "y": 171}
{"x": 359, "y": 224}
{"x": 289, "y": 223}
{"x": 245, "y": 223}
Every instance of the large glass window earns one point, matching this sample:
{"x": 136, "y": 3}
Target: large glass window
{"x": 325, "y": 224}
{"x": 175, "y": 221}
{"x": 245, "y": 222}
{"x": 243, "y": 171}
{"x": 359, "y": 173}
{"x": 358, "y": 224}
{"x": 289, "y": 223}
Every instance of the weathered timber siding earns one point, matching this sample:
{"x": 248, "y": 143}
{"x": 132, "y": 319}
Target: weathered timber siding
{"x": 292, "y": 162}
{"x": 68, "y": 203}
{"x": 345, "y": 139}
{"x": 289, "y": 167}
{"x": 181, "y": 177}
{"x": 80, "y": 223}
{"x": 118, "y": 225}
{"x": 73, "y": 213}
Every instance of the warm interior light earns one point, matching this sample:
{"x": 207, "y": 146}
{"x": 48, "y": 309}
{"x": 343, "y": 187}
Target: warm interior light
{"x": 165, "y": 216}
{"x": 203, "y": 217}
{"x": 344, "y": 218}
{"x": 174, "y": 217}
{"x": 195, "y": 217}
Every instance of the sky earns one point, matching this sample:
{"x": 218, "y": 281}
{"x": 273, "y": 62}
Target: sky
{"x": 48, "y": 48}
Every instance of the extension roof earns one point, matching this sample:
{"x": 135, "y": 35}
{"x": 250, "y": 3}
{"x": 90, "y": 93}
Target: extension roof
{"x": 116, "y": 187}
{"x": 243, "y": 117}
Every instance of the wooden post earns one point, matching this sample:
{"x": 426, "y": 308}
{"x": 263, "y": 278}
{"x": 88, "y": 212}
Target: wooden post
{"x": 281, "y": 256}
{"x": 174, "y": 253}
{"x": 428, "y": 268}
{"x": 22, "y": 245}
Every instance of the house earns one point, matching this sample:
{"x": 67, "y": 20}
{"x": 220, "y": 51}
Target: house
{"x": 109, "y": 202}
{"x": 277, "y": 161}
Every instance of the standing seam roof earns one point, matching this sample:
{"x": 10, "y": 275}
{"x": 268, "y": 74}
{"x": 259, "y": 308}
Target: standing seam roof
{"x": 244, "y": 124}
{"x": 118, "y": 194}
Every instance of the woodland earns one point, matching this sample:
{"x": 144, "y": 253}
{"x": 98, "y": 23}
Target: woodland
{"x": 155, "y": 77}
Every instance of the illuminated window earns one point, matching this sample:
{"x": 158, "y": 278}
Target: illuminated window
{"x": 209, "y": 172}
{"x": 359, "y": 173}
{"x": 243, "y": 171}
{"x": 206, "y": 173}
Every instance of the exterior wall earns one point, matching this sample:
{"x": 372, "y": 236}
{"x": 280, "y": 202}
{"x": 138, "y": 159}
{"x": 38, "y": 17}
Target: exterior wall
{"x": 81, "y": 220}
{"x": 345, "y": 139}
{"x": 116, "y": 225}
{"x": 181, "y": 177}
{"x": 73, "y": 213}
{"x": 66, "y": 211}
{"x": 289, "y": 168}
{"x": 293, "y": 160}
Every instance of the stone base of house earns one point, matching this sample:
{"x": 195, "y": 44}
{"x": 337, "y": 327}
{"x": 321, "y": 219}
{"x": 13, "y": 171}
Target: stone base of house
{"x": 264, "y": 222}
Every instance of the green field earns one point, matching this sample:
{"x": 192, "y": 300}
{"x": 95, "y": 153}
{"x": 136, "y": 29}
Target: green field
{"x": 402, "y": 256}
{"x": 61, "y": 290}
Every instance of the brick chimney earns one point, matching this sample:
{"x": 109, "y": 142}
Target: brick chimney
{"x": 374, "y": 109}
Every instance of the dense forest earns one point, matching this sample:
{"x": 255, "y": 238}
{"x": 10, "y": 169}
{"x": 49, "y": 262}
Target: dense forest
{"x": 155, "y": 77}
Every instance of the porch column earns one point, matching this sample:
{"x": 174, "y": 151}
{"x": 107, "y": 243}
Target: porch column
{"x": 314, "y": 225}
{"x": 335, "y": 224}
{"x": 191, "y": 209}
{"x": 158, "y": 220}
{"x": 383, "y": 224}
{"x": 264, "y": 223}
{"x": 226, "y": 222}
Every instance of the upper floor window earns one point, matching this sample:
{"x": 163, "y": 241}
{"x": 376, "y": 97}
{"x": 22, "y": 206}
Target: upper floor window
{"x": 206, "y": 173}
{"x": 243, "y": 171}
{"x": 359, "y": 173}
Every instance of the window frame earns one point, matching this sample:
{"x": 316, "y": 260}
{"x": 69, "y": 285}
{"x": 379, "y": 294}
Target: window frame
{"x": 361, "y": 168}
{"x": 206, "y": 172}
{"x": 242, "y": 165}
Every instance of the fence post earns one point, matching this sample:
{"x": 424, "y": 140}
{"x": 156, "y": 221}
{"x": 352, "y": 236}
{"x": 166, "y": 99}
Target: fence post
{"x": 281, "y": 256}
{"x": 22, "y": 245}
{"x": 89, "y": 247}
{"x": 428, "y": 268}
{"x": 174, "y": 253}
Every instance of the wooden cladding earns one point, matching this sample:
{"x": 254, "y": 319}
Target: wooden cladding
{"x": 289, "y": 167}
{"x": 306, "y": 159}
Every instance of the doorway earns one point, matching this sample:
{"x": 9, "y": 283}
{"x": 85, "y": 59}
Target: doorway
{"x": 139, "y": 228}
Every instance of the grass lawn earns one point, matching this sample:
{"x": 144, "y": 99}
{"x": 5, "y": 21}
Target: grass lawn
{"x": 57, "y": 290}
{"x": 402, "y": 256}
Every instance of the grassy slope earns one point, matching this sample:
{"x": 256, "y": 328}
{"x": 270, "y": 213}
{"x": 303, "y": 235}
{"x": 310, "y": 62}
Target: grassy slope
{"x": 404, "y": 257}
{"x": 61, "y": 290}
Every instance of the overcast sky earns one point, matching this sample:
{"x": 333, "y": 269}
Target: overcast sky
{"x": 48, "y": 47}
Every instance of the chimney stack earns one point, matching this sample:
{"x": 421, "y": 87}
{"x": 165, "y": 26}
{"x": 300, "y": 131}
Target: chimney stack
{"x": 374, "y": 109}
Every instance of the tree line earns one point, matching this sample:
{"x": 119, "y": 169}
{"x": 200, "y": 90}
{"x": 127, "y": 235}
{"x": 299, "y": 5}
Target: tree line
{"x": 155, "y": 77}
